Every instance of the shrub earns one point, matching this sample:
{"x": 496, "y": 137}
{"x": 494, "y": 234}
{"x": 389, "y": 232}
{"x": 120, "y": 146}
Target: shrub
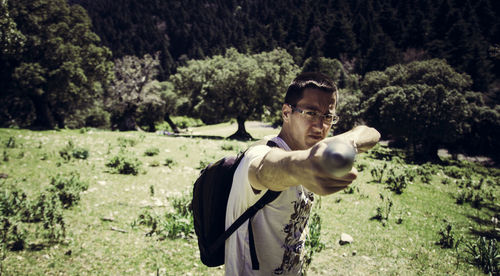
{"x": 485, "y": 254}
{"x": 152, "y": 151}
{"x": 203, "y": 164}
{"x": 177, "y": 223}
{"x": 49, "y": 208}
{"x": 397, "y": 183}
{"x": 126, "y": 141}
{"x": 80, "y": 153}
{"x": 70, "y": 151}
{"x": 475, "y": 198}
{"x": 447, "y": 240}
{"x": 313, "y": 242}
{"x": 11, "y": 143}
{"x": 378, "y": 172}
{"x": 229, "y": 147}
{"x": 169, "y": 162}
{"x": 383, "y": 211}
{"x": 454, "y": 171}
{"x": 124, "y": 164}
{"x": 68, "y": 188}
{"x": 154, "y": 163}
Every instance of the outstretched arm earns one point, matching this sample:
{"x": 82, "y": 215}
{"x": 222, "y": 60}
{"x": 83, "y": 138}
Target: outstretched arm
{"x": 278, "y": 169}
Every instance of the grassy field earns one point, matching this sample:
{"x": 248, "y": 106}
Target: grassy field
{"x": 104, "y": 235}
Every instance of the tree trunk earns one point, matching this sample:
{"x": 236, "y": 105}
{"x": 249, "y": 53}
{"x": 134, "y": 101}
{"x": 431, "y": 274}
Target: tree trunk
{"x": 44, "y": 118}
{"x": 241, "y": 133}
{"x": 171, "y": 123}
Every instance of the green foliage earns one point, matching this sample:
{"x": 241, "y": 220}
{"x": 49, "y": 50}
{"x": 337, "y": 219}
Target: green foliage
{"x": 474, "y": 197}
{"x": 61, "y": 70}
{"x": 485, "y": 254}
{"x": 203, "y": 164}
{"x": 397, "y": 182}
{"x": 70, "y": 151}
{"x": 174, "y": 224}
{"x": 124, "y": 163}
{"x": 126, "y": 142}
{"x": 11, "y": 143}
{"x": 152, "y": 151}
{"x": 313, "y": 242}
{"x": 378, "y": 172}
{"x": 68, "y": 188}
{"x": 383, "y": 211}
{"x": 234, "y": 85}
{"x": 421, "y": 102}
{"x": 170, "y": 162}
{"x": 447, "y": 239}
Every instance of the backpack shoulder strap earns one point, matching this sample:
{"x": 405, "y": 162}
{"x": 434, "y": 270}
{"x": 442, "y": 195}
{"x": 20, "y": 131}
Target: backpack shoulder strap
{"x": 268, "y": 197}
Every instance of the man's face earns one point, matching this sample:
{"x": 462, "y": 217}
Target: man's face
{"x": 303, "y": 132}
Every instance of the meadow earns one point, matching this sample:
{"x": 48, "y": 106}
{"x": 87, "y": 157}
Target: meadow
{"x": 120, "y": 207}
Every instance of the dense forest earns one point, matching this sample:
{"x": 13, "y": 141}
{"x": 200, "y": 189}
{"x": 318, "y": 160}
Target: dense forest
{"x": 373, "y": 34}
{"x": 425, "y": 73}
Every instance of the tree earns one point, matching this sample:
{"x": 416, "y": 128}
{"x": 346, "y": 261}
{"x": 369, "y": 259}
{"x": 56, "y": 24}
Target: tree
{"x": 62, "y": 68}
{"x": 421, "y": 103}
{"x": 134, "y": 92}
{"x": 235, "y": 86}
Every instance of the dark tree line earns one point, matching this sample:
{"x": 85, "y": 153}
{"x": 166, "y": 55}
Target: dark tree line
{"x": 375, "y": 34}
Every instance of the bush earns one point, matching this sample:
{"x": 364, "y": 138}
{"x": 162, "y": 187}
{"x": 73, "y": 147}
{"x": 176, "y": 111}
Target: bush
{"x": 70, "y": 151}
{"x": 11, "y": 143}
{"x": 169, "y": 162}
{"x": 126, "y": 141}
{"x": 485, "y": 254}
{"x": 124, "y": 164}
{"x": 152, "y": 151}
{"x": 68, "y": 188}
{"x": 384, "y": 210}
{"x": 397, "y": 183}
{"x": 447, "y": 240}
{"x": 98, "y": 118}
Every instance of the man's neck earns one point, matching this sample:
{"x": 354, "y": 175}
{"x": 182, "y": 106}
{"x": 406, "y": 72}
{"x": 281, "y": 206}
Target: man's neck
{"x": 287, "y": 138}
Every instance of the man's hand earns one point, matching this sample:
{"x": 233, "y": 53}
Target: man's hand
{"x": 278, "y": 169}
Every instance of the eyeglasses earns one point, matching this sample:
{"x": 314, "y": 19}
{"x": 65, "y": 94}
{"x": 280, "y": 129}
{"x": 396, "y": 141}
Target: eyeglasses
{"x": 311, "y": 115}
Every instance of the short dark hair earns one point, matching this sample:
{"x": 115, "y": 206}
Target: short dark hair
{"x": 306, "y": 80}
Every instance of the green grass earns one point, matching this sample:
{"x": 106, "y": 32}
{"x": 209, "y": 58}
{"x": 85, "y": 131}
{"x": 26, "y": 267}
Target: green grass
{"x": 91, "y": 247}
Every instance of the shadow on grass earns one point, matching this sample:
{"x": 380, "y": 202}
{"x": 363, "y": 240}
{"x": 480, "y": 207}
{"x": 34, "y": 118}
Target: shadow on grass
{"x": 487, "y": 227}
{"x": 210, "y": 137}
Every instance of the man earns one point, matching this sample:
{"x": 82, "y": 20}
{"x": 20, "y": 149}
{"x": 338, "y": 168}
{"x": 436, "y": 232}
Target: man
{"x": 294, "y": 169}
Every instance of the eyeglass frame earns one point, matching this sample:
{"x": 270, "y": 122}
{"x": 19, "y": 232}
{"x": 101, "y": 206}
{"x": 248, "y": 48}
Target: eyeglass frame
{"x": 316, "y": 115}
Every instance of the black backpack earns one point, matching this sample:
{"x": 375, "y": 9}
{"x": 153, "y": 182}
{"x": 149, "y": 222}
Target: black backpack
{"x": 210, "y": 195}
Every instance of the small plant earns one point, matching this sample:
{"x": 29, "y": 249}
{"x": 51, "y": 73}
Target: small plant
{"x": 152, "y": 151}
{"x": 11, "y": 143}
{"x": 169, "y": 162}
{"x": 229, "y": 147}
{"x": 154, "y": 163}
{"x": 80, "y": 153}
{"x": 313, "y": 242}
{"x": 446, "y": 181}
{"x": 474, "y": 197}
{"x": 203, "y": 164}
{"x": 378, "y": 172}
{"x": 5, "y": 156}
{"x": 126, "y": 141}
{"x": 383, "y": 211}
{"x": 68, "y": 188}
{"x": 397, "y": 183}
{"x": 124, "y": 164}
{"x": 447, "y": 240}
{"x": 485, "y": 254}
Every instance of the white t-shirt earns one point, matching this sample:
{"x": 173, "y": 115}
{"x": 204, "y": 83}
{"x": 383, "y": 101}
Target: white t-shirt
{"x": 279, "y": 229}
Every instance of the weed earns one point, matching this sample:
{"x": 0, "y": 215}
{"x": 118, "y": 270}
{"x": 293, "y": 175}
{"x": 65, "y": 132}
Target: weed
{"x": 5, "y": 156}
{"x": 124, "y": 142}
{"x": 447, "y": 239}
{"x": 313, "y": 242}
{"x": 152, "y": 190}
{"x": 474, "y": 197}
{"x": 229, "y": 147}
{"x": 154, "y": 163}
{"x": 70, "y": 151}
{"x": 203, "y": 164}
{"x": 397, "y": 182}
{"x": 446, "y": 181}
{"x": 124, "y": 164}
{"x": 11, "y": 143}
{"x": 378, "y": 172}
{"x": 383, "y": 211}
{"x": 68, "y": 188}
{"x": 170, "y": 162}
{"x": 152, "y": 151}
{"x": 485, "y": 254}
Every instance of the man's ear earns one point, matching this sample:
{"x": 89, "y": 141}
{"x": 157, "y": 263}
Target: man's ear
{"x": 286, "y": 111}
